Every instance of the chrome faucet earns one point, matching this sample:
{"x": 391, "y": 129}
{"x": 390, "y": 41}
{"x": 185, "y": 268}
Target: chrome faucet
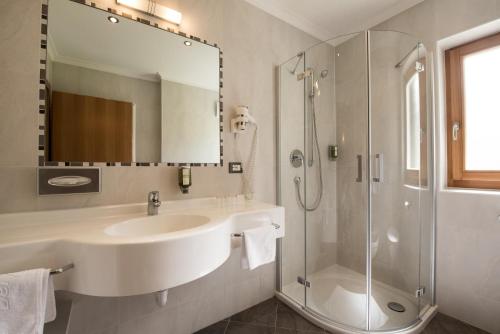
{"x": 153, "y": 203}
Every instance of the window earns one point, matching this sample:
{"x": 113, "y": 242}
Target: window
{"x": 415, "y": 124}
{"x": 473, "y": 114}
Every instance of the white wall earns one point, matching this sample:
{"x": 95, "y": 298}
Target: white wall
{"x": 189, "y": 123}
{"x": 468, "y": 232}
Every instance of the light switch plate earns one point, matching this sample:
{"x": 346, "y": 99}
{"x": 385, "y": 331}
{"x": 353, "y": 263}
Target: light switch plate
{"x": 235, "y": 168}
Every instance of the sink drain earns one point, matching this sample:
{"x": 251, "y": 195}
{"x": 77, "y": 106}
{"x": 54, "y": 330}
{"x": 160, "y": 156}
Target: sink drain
{"x": 396, "y": 307}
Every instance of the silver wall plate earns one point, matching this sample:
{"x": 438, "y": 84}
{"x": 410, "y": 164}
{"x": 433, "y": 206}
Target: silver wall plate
{"x": 296, "y": 158}
{"x": 68, "y": 180}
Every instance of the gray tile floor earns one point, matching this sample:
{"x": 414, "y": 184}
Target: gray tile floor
{"x": 274, "y": 317}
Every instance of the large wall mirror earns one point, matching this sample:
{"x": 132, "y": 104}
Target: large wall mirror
{"x": 119, "y": 90}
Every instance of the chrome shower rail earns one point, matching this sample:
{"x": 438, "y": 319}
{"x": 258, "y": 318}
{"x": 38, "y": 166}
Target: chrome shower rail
{"x": 62, "y": 269}
{"x": 239, "y": 235}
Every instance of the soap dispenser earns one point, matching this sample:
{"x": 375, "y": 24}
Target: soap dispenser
{"x": 184, "y": 179}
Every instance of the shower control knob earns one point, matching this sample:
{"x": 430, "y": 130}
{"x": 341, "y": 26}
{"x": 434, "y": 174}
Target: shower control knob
{"x": 296, "y": 158}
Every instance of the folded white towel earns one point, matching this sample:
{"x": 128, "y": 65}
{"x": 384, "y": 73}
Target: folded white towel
{"x": 258, "y": 246}
{"x": 26, "y": 301}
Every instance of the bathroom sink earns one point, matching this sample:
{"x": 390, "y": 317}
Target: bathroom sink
{"x": 119, "y": 251}
{"x": 152, "y": 225}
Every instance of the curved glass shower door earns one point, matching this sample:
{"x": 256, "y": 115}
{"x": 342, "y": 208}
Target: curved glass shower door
{"x": 356, "y": 182}
{"x": 398, "y": 150}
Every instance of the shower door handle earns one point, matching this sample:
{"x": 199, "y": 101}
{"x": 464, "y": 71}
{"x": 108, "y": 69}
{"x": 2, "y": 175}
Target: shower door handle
{"x": 378, "y": 168}
{"x": 359, "y": 158}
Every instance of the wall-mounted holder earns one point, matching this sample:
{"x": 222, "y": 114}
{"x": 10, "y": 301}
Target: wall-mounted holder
{"x": 241, "y": 234}
{"x": 185, "y": 179}
{"x": 241, "y": 119}
{"x": 60, "y": 270}
{"x": 161, "y": 297}
{"x": 68, "y": 180}
{"x": 333, "y": 152}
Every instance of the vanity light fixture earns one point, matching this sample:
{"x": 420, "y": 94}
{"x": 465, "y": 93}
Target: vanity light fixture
{"x": 187, "y": 43}
{"x": 113, "y": 19}
{"x": 152, "y": 8}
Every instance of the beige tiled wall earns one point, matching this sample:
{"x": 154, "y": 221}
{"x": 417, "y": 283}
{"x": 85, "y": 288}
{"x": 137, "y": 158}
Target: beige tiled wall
{"x": 254, "y": 43}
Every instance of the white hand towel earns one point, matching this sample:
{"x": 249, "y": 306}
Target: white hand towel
{"x": 26, "y": 301}
{"x": 258, "y": 247}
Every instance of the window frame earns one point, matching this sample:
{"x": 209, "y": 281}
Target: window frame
{"x": 457, "y": 175}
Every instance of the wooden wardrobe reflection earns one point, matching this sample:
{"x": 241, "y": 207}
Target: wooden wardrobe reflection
{"x": 86, "y": 128}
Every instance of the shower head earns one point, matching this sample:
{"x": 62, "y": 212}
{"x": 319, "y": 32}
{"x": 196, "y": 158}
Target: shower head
{"x": 324, "y": 74}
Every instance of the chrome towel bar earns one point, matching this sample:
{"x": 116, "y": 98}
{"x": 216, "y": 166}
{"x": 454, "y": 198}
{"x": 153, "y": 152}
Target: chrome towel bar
{"x": 239, "y": 235}
{"x": 60, "y": 270}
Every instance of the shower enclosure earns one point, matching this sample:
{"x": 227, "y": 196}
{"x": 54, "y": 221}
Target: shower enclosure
{"x": 356, "y": 180}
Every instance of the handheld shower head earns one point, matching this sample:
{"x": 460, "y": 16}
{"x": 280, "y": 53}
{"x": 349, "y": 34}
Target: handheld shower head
{"x": 316, "y": 89}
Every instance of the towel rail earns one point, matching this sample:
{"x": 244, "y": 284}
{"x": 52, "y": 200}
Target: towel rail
{"x": 62, "y": 269}
{"x": 239, "y": 235}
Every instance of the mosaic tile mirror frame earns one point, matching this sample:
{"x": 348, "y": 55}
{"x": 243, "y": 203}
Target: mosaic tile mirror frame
{"x": 43, "y": 138}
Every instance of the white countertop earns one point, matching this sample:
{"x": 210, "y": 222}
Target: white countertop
{"x": 88, "y": 224}
{"x": 54, "y": 238}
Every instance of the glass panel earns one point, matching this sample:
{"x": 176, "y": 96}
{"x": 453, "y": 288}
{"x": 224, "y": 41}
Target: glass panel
{"x": 291, "y": 137}
{"x": 396, "y": 124}
{"x": 336, "y": 220}
{"x": 382, "y": 187}
{"x": 481, "y": 77}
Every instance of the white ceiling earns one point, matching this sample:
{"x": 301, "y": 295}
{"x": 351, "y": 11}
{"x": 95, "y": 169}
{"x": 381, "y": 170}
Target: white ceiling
{"x": 82, "y": 36}
{"x": 325, "y": 19}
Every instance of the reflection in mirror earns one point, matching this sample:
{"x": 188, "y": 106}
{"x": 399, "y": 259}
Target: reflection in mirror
{"x": 123, "y": 91}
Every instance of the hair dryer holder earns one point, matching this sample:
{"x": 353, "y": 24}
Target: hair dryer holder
{"x": 241, "y": 120}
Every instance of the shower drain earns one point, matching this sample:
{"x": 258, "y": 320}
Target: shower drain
{"x": 396, "y": 307}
